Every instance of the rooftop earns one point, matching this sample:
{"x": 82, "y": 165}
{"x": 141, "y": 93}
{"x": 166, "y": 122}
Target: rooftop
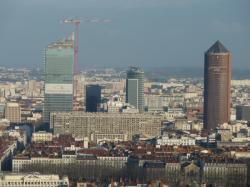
{"x": 63, "y": 43}
{"x": 5, "y": 143}
{"x": 133, "y": 69}
{"x": 12, "y": 105}
{"x": 217, "y": 47}
{"x": 28, "y": 176}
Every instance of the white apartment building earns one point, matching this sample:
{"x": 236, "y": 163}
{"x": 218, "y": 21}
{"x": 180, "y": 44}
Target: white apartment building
{"x": 165, "y": 140}
{"x": 107, "y": 137}
{"x": 42, "y": 136}
{"x": 32, "y": 180}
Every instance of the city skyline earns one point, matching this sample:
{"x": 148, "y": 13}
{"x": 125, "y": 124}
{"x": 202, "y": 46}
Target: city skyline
{"x": 141, "y": 33}
{"x": 160, "y": 95}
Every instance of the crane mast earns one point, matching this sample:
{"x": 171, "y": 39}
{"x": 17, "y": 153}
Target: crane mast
{"x": 77, "y": 22}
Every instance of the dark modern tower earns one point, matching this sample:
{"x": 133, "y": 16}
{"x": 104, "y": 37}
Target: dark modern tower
{"x": 93, "y": 98}
{"x": 135, "y": 88}
{"x": 58, "y": 91}
{"x": 243, "y": 112}
{"x": 217, "y": 86}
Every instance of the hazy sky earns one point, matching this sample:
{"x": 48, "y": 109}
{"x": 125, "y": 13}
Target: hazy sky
{"x": 169, "y": 33}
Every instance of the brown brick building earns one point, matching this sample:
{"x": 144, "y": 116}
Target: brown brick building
{"x": 217, "y": 86}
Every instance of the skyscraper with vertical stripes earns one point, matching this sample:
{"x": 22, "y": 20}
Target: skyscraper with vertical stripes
{"x": 217, "y": 86}
{"x": 58, "y": 84}
{"x": 135, "y": 88}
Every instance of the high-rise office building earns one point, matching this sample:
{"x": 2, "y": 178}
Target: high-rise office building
{"x": 79, "y": 92}
{"x": 243, "y": 112}
{"x": 217, "y": 86}
{"x": 13, "y": 112}
{"x": 93, "y": 98}
{"x": 58, "y": 92}
{"x": 135, "y": 88}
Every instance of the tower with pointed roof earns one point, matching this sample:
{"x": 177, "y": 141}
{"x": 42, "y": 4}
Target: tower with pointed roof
{"x": 217, "y": 86}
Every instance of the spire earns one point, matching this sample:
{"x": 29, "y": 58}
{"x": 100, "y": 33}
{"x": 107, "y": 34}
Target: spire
{"x": 218, "y": 47}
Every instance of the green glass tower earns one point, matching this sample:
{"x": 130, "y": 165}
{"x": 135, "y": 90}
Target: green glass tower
{"x": 58, "y": 91}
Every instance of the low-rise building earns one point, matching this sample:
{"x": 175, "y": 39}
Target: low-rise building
{"x": 165, "y": 140}
{"x": 32, "y": 179}
{"x": 68, "y": 160}
{"x": 108, "y": 137}
{"x": 221, "y": 173}
{"x": 182, "y": 124}
{"x": 42, "y": 136}
{"x": 240, "y": 154}
{"x": 4, "y": 123}
{"x": 8, "y": 146}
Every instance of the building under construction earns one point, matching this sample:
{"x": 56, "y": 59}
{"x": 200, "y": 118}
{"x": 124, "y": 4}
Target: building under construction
{"x": 59, "y": 63}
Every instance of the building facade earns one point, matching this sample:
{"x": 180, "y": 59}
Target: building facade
{"x": 103, "y": 137}
{"x": 7, "y": 149}
{"x": 82, "y": 124}
{"x": 42, "y": 136}
{"x": 13, "y": 112}
{"x": 93, "y": 98}
{"x": 186, "y": 141}
{"x": 223, "y": 174}
{"x": 79, "y": 92}
{"x": 32, "y": 179}
{"x": 135, "y": 88}
{"x": 2, "y": 107}
{"x": 217, "y": 86}
{"x": 58, "y": 91}
{"x": 68, "y": 161}
{"x": 243, "y": 112}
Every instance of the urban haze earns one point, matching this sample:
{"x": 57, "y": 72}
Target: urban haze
{"x": 124, "y": 93}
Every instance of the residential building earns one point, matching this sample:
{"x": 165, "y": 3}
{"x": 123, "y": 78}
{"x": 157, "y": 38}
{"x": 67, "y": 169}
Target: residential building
{"x": 32, "y": 179}
{"x": 82, "y": 124}
{"x": 108, "y": 137}
{"x": 8, "y": 146}
{"x": 186, "y": 141}
{"x": 83, "y": 159}
{"x": 79, "y": 90}
{"x": 13, "y": 112}
{"x": 220, "y": 173}
{"x": 42, "y": 136}
{"x": 2, "y": 106}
